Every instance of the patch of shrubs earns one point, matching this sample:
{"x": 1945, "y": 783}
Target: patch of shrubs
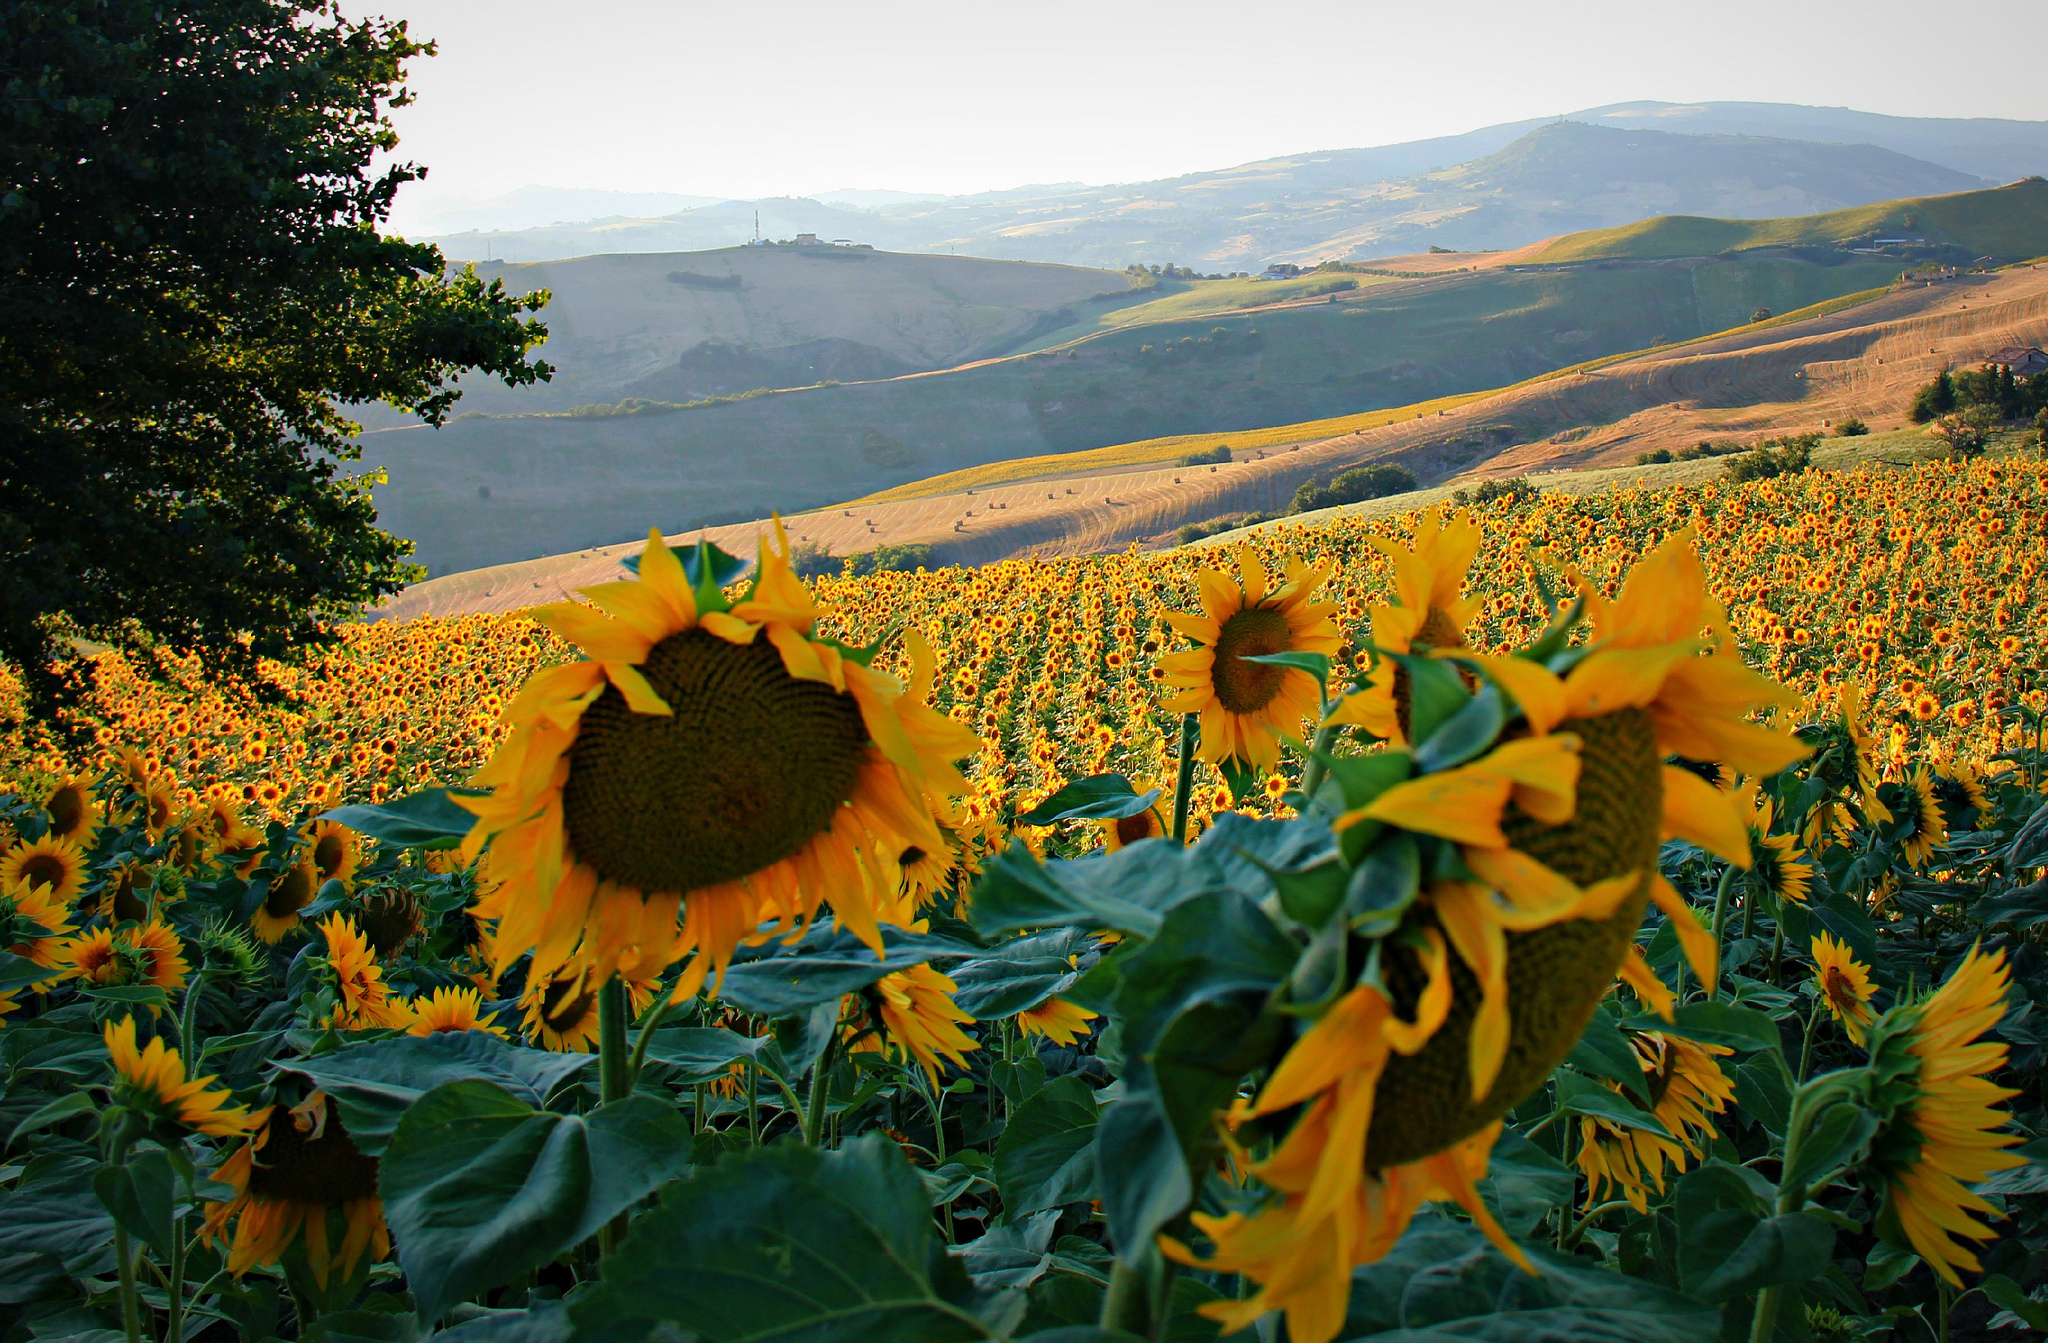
{"x": 1775, "y": 457}
{"x": 1851, "y": 428}
{"x": 1515, "y": 489}
{"x": 1229, "y": 522}
{"x": 1353, "y": 487}
{"x": 1215, "y": 456}
{"x": 812, "y": 560}
{"x": 1697, "y": 452}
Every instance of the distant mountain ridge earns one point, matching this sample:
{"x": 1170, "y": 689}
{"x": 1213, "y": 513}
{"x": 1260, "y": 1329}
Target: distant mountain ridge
{"x": 1600, "y": 168}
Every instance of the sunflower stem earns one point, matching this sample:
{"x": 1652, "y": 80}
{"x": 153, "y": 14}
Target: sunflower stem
{"x": 640, "y": 1042}
{"x": 1184, "y": 782}
{"x": 1791, "y": 1198}
{"x": 1806, "y": 1048}
{"x": 1721, "y": 894}
{"x": 1777, "y": 943}
{"x": 753, "y": 1102}
{"x": 614, "y": 1080}
{"x": 174, "y": 1330}
{"x": 821, "y": 1082}
{"x": 131, "y": 1300}
{"x": 1579, "y": 1227}
{"x": 1128, "y": 1303}
{"x": 1312, "y": 772}
{"x": 188, "y": 1023}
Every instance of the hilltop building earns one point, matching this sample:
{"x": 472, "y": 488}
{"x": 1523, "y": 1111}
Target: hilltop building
{"x": 2023, "y": 361}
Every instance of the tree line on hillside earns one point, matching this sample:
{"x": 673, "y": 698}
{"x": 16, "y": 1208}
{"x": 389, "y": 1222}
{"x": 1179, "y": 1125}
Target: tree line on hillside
{"x": 1357, "y": 485}
{"x": 1962, "y": 409}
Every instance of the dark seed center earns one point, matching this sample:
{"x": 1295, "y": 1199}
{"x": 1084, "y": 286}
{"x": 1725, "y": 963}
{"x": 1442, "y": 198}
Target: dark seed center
{"x": 752, "y": 765}
{"x": 1246, "y": 687}
{"x": 305, "y": 1169}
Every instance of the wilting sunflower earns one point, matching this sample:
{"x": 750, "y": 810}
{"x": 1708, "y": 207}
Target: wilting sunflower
{"x": 721, "y": 760}
{"x": 1941, "y": 1136}
{"x": 561, "y": 1012}
{"x": 1403, "y": 1084}
{"x": 1056, "y": 1019}
{"x": 1775, "y": 863}
{"x": 151, "y": 1082}
{"x": 56, "y": 865}
{"x": 75, "y": 813}
{"x": 1427, "y": 613}
{"x": 33, "y": 923}
{"x": 131, "y": 954}
{"x": 390, "y": 917}
{"x": 1930, "y": 828}
{"x": 1248, "y": 708}
{"x": 1844, "y": 984}
{"x": 362, "y": 1000}
{"x": 300, "y": 1172}
{"x": 451, "y": 1009}
{"x": 917, "y": 1014}
{"x": 1853, "y": 760}
{"x": 290, "y": 891}
{"x": 1685, "y": 1086}
{"x": 336, "y": 852}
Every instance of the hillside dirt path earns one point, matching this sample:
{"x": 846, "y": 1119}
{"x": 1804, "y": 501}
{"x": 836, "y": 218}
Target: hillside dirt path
{"x": 1865, "y": 361}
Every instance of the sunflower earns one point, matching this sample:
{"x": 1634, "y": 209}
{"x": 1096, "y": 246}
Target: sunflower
{"x": 1685, "y": 1086}
{"x": 716, "y": 760}
{"x": 32, "y": 922}
{"x": 1940, "y": 1138}
{"x": 1929, "y": 828}
{"x": 1774, "y": 859}
{"x": 925, "y": 870}
{"x": 290, "y": 891}
{"x": 1427, "y": 613}
{"x": 1856, "y": 763}
{"x": 1338, "y": 1207}
{"x": 1844, "y": 985}
{"x": 74, "y": 812}
{"x": 916, "y": 1012}
{"x": 1150, "y": 823}
{"x": 363, "y": 1001}
{"x": 152, "y": 1083}
{"x": 390, "y": 917}
{"x": 451, "y": 1009}
{"x": 1959, "y": 790}
{"x": 1056, "y": 1019}
{"x": 56, "y": 865}
{"x": 337, "y": 852}
{"x": 298, "y": 1173}
{"x": 561, "y": 1012}
{"x": 1248, "y": 708}
{"x": 131, "y": 954}
{"x": 159, "y": 805}
{"x": 220, "y": 824}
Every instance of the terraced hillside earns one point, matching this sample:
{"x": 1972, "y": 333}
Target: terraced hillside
{"x": 1863, "y": 360}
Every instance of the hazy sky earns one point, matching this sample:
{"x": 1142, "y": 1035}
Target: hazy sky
{"x": 795, "y": 96}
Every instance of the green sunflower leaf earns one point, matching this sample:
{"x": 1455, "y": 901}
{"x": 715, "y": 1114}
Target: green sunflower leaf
{"x": 1019, "y": 974}
{"x": 1105, "y": 797}
{"x": 1315, "y": 664}
{"x": 1465, "y": 733}
{"x": 775, "y": 980}
{"x": 428, "y": 819}
{"x": 1435, "y": 692}
{"x": 792, "y": 1242}
{"x": 1046, "y": 1156}
{"x": 1577, "y": 1094}
{"x": 480, "y": 1188}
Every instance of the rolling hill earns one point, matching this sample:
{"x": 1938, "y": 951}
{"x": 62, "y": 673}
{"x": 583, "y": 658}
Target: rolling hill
{"x": 1798, "y": 373}
{"x": 487, "y": 489}
{"x": 690, "y": 325}
{"x": 1723, "y": 159}
{"x": 2010, "y": 223}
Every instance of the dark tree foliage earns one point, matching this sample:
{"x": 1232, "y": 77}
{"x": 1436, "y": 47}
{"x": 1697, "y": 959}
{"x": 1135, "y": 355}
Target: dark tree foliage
{"x": 191, "y": 284}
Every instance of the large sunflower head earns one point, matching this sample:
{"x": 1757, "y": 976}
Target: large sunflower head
{"x": 127, "y": 955}
{"x": 361, "y": 999}
{"x": 300, "y": 1172}
{"x": 1686, "y": 1086}
{"x": 1150, "y": 823}
{"x": 916, "y": 1013}
{"x": 1428, "y": 612}
{"x": 1927, "y": 828}
{"x": 451, "y": 1009}
{"x": 33, "y": 922}
{"x": 289, "y": 892}
{"x": 711, "y": 757}
{"x": 1247, "y": 708}
{"x": 1844, "y": 985}
{"x": 336, "y": 852}
{"x": 74, "y": 811}
{"x": 1942, "y": 1135}
{"x": 151, "y": 1081}
{"x": 56, "y": 865}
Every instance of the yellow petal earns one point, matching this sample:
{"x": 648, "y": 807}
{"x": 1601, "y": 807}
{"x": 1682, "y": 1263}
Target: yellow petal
{"x": 1538, "y": 690}
{"x": 1701, "y": 948}
{"x": 597, "y": 634}
{"x": 640, "y": 696}
{"x": 1695, "y": 810}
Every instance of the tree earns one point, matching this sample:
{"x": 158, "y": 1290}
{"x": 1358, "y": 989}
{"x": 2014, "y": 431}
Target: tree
{"x": 192, "y": 285}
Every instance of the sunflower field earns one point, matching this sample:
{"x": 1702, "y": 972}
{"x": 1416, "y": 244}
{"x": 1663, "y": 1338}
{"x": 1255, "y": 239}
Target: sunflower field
{"x": 1611, "y": 918}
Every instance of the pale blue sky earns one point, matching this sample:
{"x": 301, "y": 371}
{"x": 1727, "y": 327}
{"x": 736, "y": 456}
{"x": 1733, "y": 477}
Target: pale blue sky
{"x": 798, "y": 96}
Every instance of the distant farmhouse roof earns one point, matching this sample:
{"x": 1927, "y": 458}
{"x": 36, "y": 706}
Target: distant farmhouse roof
{"x": 2025, "y": 361}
